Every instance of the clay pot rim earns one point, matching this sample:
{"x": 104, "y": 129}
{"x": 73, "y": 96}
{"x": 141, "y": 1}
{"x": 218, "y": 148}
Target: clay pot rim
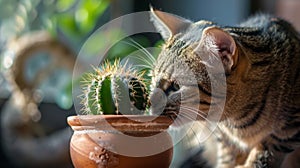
{"x": 123, "y": 123}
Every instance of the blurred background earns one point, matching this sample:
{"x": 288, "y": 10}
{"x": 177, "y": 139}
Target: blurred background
{"x": 39, "y": 43}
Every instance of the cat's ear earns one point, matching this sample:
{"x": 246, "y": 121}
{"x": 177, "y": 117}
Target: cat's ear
{"x": 221, "y": 43}
{"x": 168, "y": 24}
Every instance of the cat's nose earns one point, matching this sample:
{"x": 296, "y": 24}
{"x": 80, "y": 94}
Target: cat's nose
{"x": 158, "y": 100}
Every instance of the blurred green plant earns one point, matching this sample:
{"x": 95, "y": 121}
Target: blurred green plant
{"x": 77, "y": 18}
{"x": 74, "y": 19}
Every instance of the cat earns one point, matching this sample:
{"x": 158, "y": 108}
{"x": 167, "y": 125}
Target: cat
{"x": 260, "y": 123}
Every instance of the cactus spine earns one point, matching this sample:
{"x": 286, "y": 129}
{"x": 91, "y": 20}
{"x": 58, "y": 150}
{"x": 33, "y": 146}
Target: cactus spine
{"x": 114, "y": 89}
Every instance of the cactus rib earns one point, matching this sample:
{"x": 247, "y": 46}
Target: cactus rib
{"x": 114, "y": 89}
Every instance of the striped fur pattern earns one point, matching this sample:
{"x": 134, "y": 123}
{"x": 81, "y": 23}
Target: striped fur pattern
{"x": 260, "y": 123}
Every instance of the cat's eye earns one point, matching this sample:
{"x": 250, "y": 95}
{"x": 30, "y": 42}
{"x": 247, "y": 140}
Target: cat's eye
{"x": 168, "y": 86}
{"x": 173, "y": 87}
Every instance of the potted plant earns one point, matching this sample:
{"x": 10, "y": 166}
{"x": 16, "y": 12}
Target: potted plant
{"x": 117, "y": 130}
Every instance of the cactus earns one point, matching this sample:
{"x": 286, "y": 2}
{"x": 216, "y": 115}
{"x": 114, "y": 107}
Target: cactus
{"x": 114, "y": 89}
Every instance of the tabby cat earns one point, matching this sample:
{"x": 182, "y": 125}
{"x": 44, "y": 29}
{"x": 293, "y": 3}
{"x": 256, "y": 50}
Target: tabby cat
{"x": 260, "y": 121}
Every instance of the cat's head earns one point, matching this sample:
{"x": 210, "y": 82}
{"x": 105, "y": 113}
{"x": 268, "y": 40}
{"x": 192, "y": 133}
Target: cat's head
{"x": 189, "y": 77}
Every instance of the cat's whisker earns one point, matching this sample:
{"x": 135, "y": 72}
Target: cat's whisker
{"x": 188, "y": 137}
{"x": 150, "y": 61}
{"x": 146, "y": 52}
{"x": 194, "y": 135}
{"x": 194, "y": 111}
{"x": 199, "y": 133}
{"x": 189, "y": 118}
{"x": 198, "y": 113}
{"x": 140, "y": 58}
{"x": 191, "y": 137}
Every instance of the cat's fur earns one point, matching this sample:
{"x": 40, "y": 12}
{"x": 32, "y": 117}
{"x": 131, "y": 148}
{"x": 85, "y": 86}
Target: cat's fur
{"x": 261, "y": 61}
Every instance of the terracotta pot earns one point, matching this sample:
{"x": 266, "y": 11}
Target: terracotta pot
{"x": 120, "y": 141}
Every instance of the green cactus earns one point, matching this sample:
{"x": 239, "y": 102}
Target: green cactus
{"x": 114, "y": 89}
